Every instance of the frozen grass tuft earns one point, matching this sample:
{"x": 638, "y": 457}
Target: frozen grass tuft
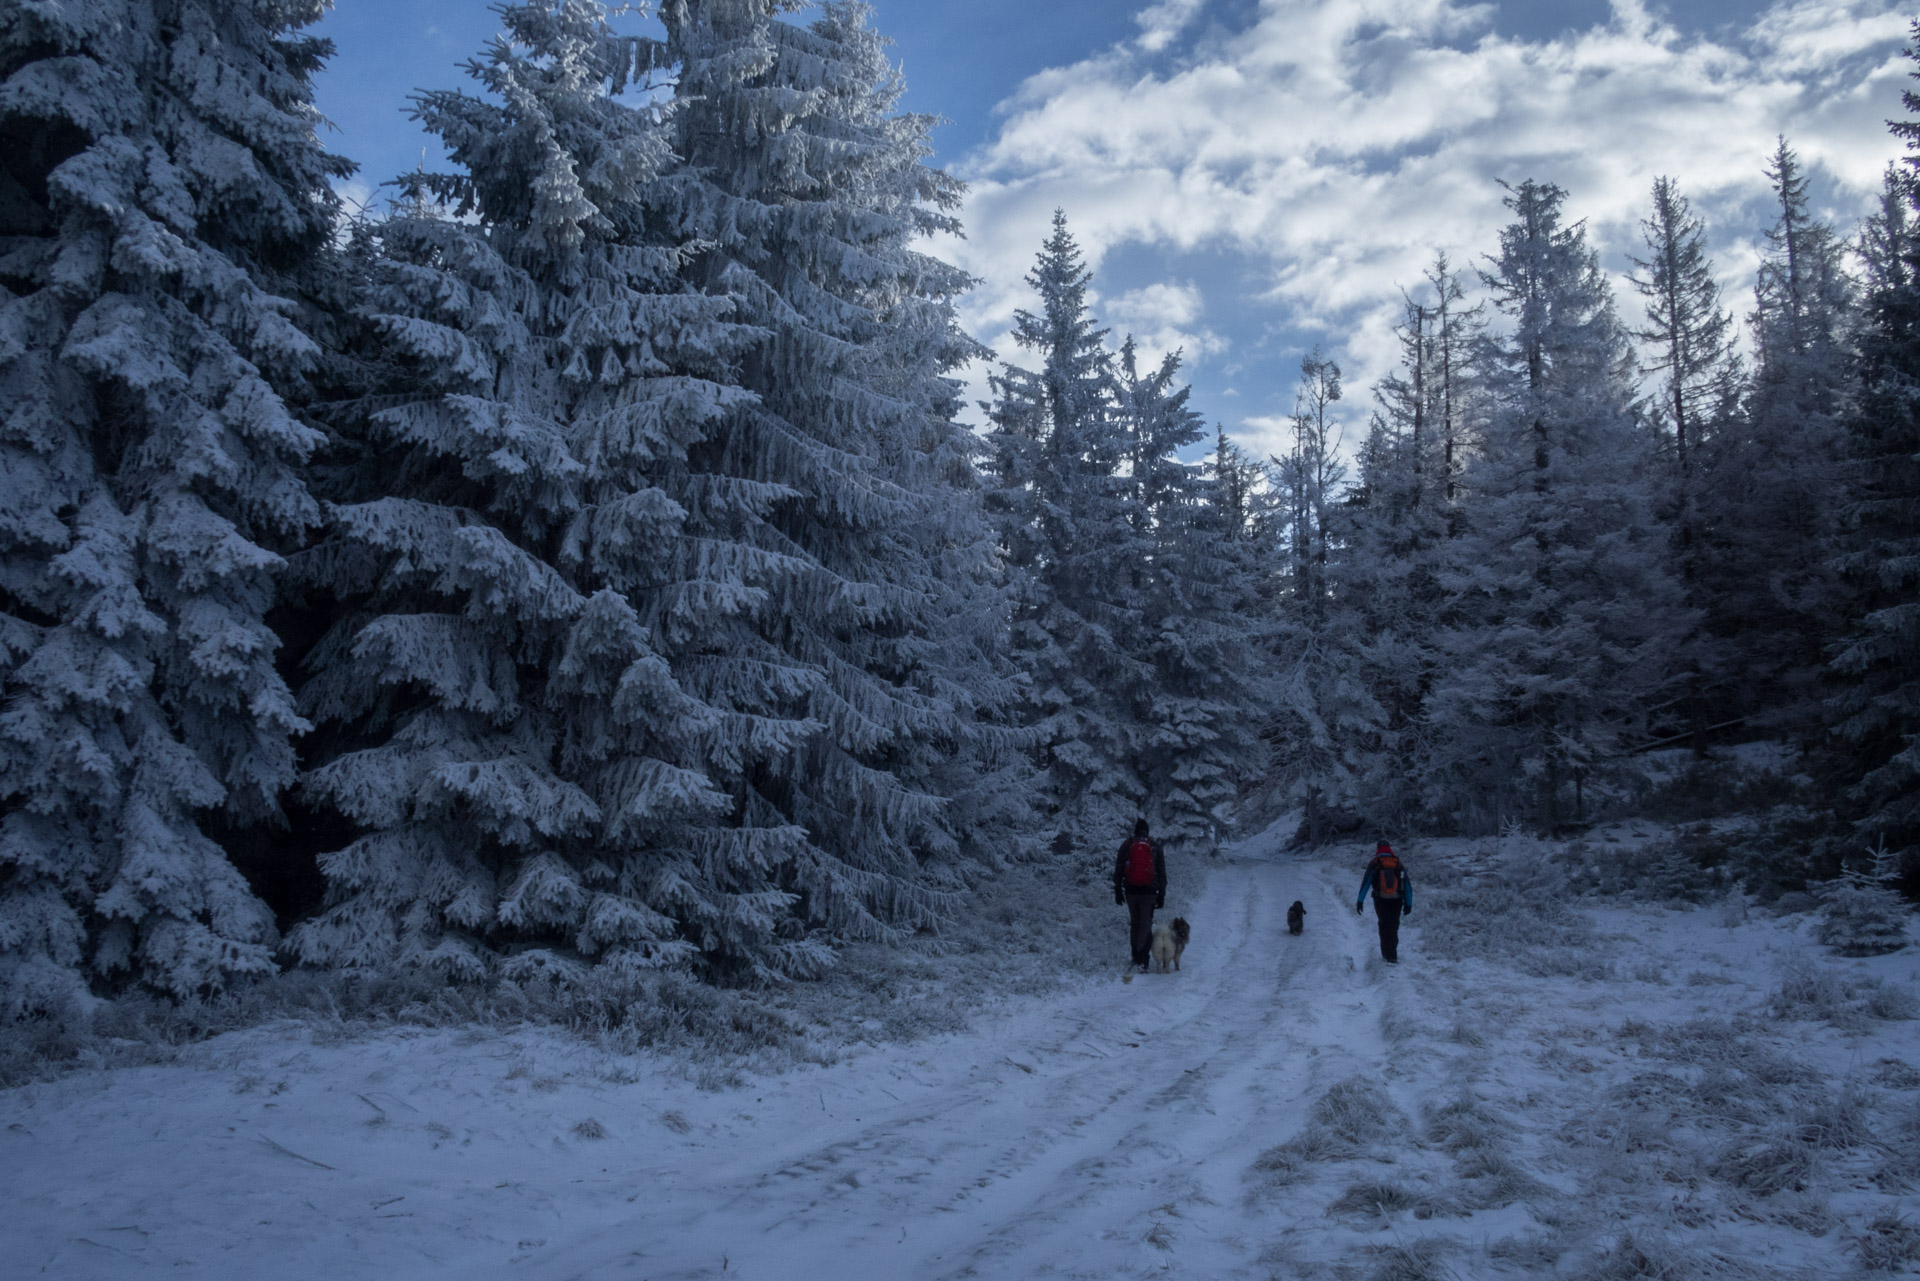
{"x": 1283, "y": 1261}
{"x": 1900, "y": 1172}
{"x": 1649, "y": 972}
{"x": 1533, "y": 1255}
{"x": 1351, "y": 1116}
{"x": 1650, "y": 1257}
{"x": 1888, "y": 1244}
{"x": 1513, "y": 912}
{"x": 1895, "y": 1074}
{"x": 1285, "y": 1164}
{"x": 1660, "y": 1090}
{"x": 1464, "y": 1123}
{"x": 1627, "y": 1129}
{"x": 1421, "y": 1260}
{"x": 1718, "y": 1045}
{"x": 1813, "y": 991}
{"x": 1806, "y": 1212}
{"x": 1844, "y": 1121}
{"x": 1491, "y": 1179}
{"x": 1894, "y": 1004}
{"x": 1707, "y": 978}
{"x": 1568, "y": 963}
{"x": 1397, "y": 1026}
{"x": 1358, "y": 1111}
{"x": 1767, "y": 1167}
{"x": 1373, "y": 1198}
{"x": 589, "y": 1129}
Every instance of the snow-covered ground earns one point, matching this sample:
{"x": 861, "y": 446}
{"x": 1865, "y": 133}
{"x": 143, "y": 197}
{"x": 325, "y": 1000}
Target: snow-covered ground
{"x": 1540, "y": 1088}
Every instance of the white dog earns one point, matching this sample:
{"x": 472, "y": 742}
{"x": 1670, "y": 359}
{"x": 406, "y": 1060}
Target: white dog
{"x": 1169, "y": 941}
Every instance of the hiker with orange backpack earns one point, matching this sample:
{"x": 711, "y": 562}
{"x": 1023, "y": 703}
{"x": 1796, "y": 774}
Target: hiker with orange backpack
{"x": 1386, "y": 880}
{"x": 1140, "y": 885}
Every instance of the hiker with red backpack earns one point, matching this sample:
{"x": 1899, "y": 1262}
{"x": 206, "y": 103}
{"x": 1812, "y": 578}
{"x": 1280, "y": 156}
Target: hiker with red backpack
{"x": 1386, "y": 880}
{"x": 1140, "y": 885}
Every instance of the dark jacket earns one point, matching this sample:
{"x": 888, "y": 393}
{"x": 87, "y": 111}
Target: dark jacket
{"x": 1159, "y": 867}
{"x": 1367, "y": 885}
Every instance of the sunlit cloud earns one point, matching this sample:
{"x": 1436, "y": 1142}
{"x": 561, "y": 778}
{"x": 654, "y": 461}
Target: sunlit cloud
{"x": 1333, "y": 146}
{"x": 1164, "y": 318}
{"x": 1161, "y": 23}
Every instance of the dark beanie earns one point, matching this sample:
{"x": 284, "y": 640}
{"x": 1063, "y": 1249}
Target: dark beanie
{"x": 1139, "y": 827}
{"x": 1383, "y": 848}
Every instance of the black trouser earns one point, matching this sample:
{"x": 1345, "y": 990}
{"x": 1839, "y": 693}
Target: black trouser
{"x": 1388, "y": 910}
{"x": 1140, "y": 915}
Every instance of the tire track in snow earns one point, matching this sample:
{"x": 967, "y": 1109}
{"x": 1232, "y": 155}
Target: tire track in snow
{"x": 1108, "y": 1137}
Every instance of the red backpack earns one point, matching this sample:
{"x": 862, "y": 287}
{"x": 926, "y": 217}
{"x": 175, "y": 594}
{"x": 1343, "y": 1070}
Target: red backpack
{"x": 1140, "y": 863}
{"x": 1386, "y": 876}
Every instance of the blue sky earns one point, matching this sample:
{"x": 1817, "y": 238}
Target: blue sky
{"x": 1254, "y": 177}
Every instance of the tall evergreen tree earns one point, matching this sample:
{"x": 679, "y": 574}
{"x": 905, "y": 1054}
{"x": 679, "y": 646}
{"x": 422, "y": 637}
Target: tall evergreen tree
{"x": 1202, "y": 702}
{"x": 1772, "y": 492}
{"x": 1426, "y": 399}
{"x": 1688, "y": 335}
{"x": 165, "y": 209}
{"x": 1566, "y": 610}
{"x": 1876, "y": 708}
{"x": 1398, "y": 520}
{"x": 1236, "y": 481}
{"x": 1076, "y": 548}
{"x": 528, "y": 778}
{"x": 1688, "y": 340}
{"x": 1327, "y": 727}
{"x": 805, "y": 192}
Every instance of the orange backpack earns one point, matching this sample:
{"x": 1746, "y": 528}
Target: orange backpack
{"x": 1386, "y": 876}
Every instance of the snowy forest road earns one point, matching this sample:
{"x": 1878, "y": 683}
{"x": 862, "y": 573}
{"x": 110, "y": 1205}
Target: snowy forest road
{"x": 1102, "y": 1137}
{"x": 1608, "y": 1089}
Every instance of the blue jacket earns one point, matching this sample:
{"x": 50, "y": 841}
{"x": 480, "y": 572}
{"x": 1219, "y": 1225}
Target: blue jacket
{"x": 1366, "y": 884}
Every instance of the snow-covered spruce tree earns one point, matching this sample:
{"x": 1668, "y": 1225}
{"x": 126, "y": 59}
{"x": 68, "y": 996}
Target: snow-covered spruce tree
{"x": 1199, "y": 628}
{"x": 1396, "y": 524}
{"x": 1771, "y": 495}
{"x": 1875, "y": 708}
{"x": 1236, "y": 478}
{"x": 1326, "y": 728}
{"x": 1078, "y": 554}
{"x": 165, "y": 207}
{"x": 1567, "y": 614}
{"x": 805, "y": 191}
{"x": 529, "y": 779}
{"x": 1688, "y": 345}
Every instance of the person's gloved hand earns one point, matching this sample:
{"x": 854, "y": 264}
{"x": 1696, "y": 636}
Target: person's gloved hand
{"x": 1119, "y": 897}
{"x": 1406, "y": 909}
{"x": 1359, "y": 907}
{"x": 1159, "y": 901}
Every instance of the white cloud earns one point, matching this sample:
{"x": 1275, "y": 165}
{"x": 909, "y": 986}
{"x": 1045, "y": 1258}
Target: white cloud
{"x": 356, "y": 193}
{"x": 1161, "y": 23}
{"x": 1164, "y": 318}
{"x": 1335, "y": 144}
